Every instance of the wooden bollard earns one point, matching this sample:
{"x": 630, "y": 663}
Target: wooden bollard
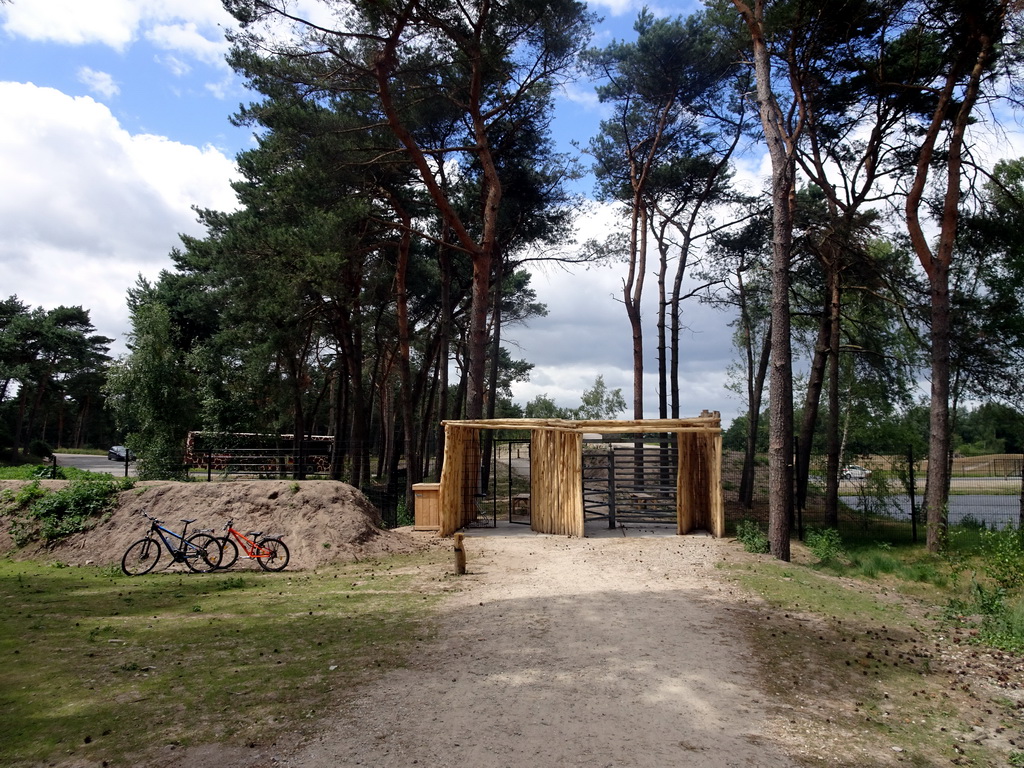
{"x": 460, "y": 554}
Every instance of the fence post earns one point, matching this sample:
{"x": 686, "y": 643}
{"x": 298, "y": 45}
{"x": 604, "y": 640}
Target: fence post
{"x": 209, "y": 466}
{"x": 911, "y": 491}
{"x": 796, "y": 510}
{"x": 1020, "y": 504}
{"x": 611, "y": 487}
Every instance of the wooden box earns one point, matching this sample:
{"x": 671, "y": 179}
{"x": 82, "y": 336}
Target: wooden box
{"x": 426, "y": 506}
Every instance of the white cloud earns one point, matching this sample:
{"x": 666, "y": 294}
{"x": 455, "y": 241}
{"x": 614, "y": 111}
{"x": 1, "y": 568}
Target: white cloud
{"x": 109, "y": 22}
{"x": 220, "y": 88}
{"x": 87, "y": 206}
{"x": 186, "y": 38}
{"x": 614, "y": 7}
{"x": 194, "y": 27}
{"x": 101, "y": 83}
{"x": 585, "y": 95}
{"x": 175, "y": 65}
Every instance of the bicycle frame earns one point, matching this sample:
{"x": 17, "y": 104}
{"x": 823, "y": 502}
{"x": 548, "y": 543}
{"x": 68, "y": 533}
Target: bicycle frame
{"x": 177, "y": 551}
{"x": 249, "y": 546}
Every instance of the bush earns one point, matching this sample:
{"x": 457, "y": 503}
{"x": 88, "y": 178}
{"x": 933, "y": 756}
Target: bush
{"x": 47, "y": 472}
{"x": 825, "y": 543}
{"x": 753, "y": 539}
{"x": 76, "y": 507}
{"x": 51, "y": 515}
{"x": 1002, "y": 554}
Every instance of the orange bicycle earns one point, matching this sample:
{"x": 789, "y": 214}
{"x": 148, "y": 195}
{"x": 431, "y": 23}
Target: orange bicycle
{"x": 270, "y": 552}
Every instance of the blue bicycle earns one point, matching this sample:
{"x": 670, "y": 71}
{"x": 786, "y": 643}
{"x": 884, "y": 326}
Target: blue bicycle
{"x": 200, "y": 552}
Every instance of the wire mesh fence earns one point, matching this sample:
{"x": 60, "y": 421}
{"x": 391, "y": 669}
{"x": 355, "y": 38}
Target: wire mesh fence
{"x": 881, "y": 497}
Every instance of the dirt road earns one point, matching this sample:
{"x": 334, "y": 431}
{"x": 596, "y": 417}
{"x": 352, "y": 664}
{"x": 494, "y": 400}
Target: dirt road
{"x": 618, "y": 650}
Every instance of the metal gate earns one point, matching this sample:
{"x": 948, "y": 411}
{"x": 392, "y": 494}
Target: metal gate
{"x": 518, "y": 481}
{"x": 507, "y": 488}
{"x": 630, "y": 482}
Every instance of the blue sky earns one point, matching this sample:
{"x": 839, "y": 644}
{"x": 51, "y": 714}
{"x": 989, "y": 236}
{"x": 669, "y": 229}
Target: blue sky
{"x": 115, "y": 124}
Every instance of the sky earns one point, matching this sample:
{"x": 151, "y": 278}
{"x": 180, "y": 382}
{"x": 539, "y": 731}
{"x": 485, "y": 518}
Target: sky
{"x": 115, "y": 125}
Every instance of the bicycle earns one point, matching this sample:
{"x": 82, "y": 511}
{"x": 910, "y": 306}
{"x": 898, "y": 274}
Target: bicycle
{"x": 270, "y": 552}
{"x": 200, "y": 551}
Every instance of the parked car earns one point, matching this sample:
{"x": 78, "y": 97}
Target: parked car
{"x": 855, "y": 472}
{"x": 119, "y": 453}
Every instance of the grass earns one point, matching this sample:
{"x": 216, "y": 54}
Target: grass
{"x": 863, "y": 647}
{"x": 99, "y": 667}
{"x": 41, "y": 471}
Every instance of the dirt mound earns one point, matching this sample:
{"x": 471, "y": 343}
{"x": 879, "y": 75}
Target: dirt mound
{"x": 321, "y": 521}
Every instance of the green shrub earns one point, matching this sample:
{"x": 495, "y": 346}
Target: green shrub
{"x": 403, "y": 515}
{"x": 76, "y": 507}
{"x": 994, "y": 604}
{"x": 1002, "y": 554}
{"x": 753, "y": 539}
{"x": 825, "y": 543}
{"x": 14, "y": 501}
{"x": 48, "y": 472}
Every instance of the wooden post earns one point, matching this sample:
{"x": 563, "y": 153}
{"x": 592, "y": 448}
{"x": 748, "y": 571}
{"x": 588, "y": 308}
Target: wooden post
{"x": 460, "y": 554}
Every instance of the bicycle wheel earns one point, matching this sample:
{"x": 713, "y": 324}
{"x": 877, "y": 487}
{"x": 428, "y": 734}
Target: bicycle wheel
{"x": 141, "y": 557}
{"x": 228, "y": 552}
{"x": 273, "y": 554}
{"x": 204, "y": 555}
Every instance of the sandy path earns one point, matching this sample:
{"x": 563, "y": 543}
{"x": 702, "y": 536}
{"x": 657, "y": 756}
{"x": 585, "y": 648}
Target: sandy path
{"x": 611, "y": 651}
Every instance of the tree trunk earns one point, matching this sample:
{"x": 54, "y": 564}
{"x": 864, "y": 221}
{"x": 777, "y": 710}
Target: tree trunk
{"x": 834, "y": 443}
{"x": 756, "y": 395}
{"x": 487, "y": 438}
{"x": 780, "y": 395}
{"x": 812, "y": 402}
{"x": 954, "y": 104}
{"x": 632, "y": 292}
{"x": 406, "y": 401}
{"x": 445, "y": 262}
{"x": 663, "y": 386}
{"x": 937, "y": 486}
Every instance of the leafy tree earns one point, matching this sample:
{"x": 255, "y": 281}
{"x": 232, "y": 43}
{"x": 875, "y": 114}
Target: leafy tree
{"x": 153, "y": 391}
{"x": 986, "y": 352}
{"x": 990, "y": 428}
{"x": 781, "y": 132}
{"x": 474, "y": 66}
{"x": 599, "y": 402}
{"x": 653, "y": 156}
{"x": 50, "y": 361}
{"x": 947, "y": 62}
{"x": 543, "y": 407}
{"x": 736, "y": 265}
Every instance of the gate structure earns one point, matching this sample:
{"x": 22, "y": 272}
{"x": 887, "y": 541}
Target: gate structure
{"x": 631, "y": 482}
{"x": 674, "y": 474}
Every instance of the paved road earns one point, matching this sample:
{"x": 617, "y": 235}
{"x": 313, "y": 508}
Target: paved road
{"x": 993, "y": 510}
{"x": 95, "y": 464}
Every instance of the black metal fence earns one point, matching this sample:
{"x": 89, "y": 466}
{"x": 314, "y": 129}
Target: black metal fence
{"x": 882, "y": 496}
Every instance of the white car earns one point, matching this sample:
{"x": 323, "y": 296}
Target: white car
{"x": 855, "y": 472}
